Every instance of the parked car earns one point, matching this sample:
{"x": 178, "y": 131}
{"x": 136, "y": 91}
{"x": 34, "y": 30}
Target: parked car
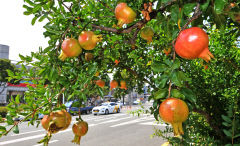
{"x": 74, "y": 110}
{"x": 136, "y": 102}
{"x": 106, "y": 108}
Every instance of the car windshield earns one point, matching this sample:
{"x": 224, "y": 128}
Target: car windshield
{"x": 104, "y": 104}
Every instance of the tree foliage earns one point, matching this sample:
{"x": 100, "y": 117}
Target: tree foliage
{"x": 212, "y": 94}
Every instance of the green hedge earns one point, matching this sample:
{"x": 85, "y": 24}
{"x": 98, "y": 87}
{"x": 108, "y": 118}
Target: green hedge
{"x": 3, "y": 111}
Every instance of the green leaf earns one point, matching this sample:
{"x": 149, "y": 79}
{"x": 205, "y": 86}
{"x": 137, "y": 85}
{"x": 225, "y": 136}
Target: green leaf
{"x": 163, "y": 81}
{"x": 34, "y": 20}
{"x": 42, "y": 18}
{"x": 219, "y": 5}
{"x": 238, "y": 135}
{"x": 227, "y": 119}
{"x": 100, "y": 91}
{"x": 17, "y": 99}
{"x": 188, "y": 8}
{"x": 161, "y": 93}
{"x": 176, "y": 93}
{"x": 27, "y": 13}
{"x": 3, "y": 129}
{"x": 226, "y": 124}
{"x": 227, "y": 133}
{"x": 158, "y": 67}
{"x": 174, "y": 13}
{"x": 176, "y": 64}
{"x": 205, "y": 6}
{"x": 189, "y": 95}
{"x": 175, "y": 79}
{"x": 16, "y": 129}
{"x": 9, "y": 120}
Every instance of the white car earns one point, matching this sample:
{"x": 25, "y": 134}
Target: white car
{"x": 106, "y": 108}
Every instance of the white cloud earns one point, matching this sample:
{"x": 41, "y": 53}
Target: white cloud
{"x": 17, "y": 32}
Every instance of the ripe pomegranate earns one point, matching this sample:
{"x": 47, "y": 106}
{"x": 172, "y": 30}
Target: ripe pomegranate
{"x": 123, "y": 85}
{"x": 100, "y": 83}
{"x": 147, "y": 34}
{"x": 192, "y": 43}
{"x": 56, "y": 121}
{"x": 88, "y": 40}
{"x": 113, "y": 84}
{"x": 124, "y": 14}
{"x": 174, "y": 111}
{"x": 88, "y": 56}
{"x": 70, "y": 48}
{"x": 79, "y": 129}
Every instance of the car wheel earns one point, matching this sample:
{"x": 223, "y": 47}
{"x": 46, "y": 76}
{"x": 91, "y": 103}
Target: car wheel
{"x": 106, "y": 112}
{"x": 87, "y": 112}
{"x": 118, "y": 110}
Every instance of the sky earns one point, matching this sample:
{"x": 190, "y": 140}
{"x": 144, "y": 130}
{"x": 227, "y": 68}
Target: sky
{"x": 17, "y": 32}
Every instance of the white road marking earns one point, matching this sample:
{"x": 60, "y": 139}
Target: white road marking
{"x": 153, "y": 124}
{"x": 30, "y": 137}
{"x": 133, "y": 121}
{"x": 110, "y": 121}
{"x": 27, "y": 132}
{"x": 48, "y": 142}
{"x": 21, "y": 139}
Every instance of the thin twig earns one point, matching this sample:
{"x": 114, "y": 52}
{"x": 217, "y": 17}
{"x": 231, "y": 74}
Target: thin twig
{"x": 196, "y": 14}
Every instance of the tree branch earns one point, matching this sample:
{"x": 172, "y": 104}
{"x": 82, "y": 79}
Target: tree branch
{"x": 140, "y": 23}
{"x": 196, "y": 14}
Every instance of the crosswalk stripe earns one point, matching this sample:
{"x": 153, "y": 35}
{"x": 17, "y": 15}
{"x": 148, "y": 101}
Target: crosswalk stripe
{"x": 133, "y": 121}
{"x": 153, "y": 123}
{"x": 22, "y": 133}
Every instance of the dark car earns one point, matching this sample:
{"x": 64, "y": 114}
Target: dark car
{"x": 74, "y": 108}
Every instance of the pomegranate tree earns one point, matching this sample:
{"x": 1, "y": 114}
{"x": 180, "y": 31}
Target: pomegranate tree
{"x": 56, "y": 121}
{"x": 147, "y": 34}
{"x": 192, "y": 43}
{"x": 79, "y": 129}
{"x": 88, "y": 40}
{"x": 174, "y": 111}
{"x": 124, "y": 14}
{"x": 70, "y": 48}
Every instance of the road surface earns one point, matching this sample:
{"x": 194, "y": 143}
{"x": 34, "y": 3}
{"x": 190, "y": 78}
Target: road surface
{"x": 121, "y": 129}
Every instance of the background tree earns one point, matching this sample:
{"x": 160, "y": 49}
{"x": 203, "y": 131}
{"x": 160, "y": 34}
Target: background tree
{"x": 140, "y": 62}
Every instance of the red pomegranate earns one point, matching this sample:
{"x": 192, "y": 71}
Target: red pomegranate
{"x": 147, "y": 34}
{"x": 113, "y": 84}
{"x": 124, "y": 14}
{"x": 192, "y": 43}
{"x": 100, "y": 83}
{"x": 56, "y": 121}
{"x": 88, "y": 40}
{"x": 79, "y": 129}
{"x": 70, "y": 48}
{"x": 123, "y": 85}
{"x": 174, "y": 111}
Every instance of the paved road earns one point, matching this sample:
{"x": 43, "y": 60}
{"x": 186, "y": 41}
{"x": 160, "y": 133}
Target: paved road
{"x": 120, "y": 129}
